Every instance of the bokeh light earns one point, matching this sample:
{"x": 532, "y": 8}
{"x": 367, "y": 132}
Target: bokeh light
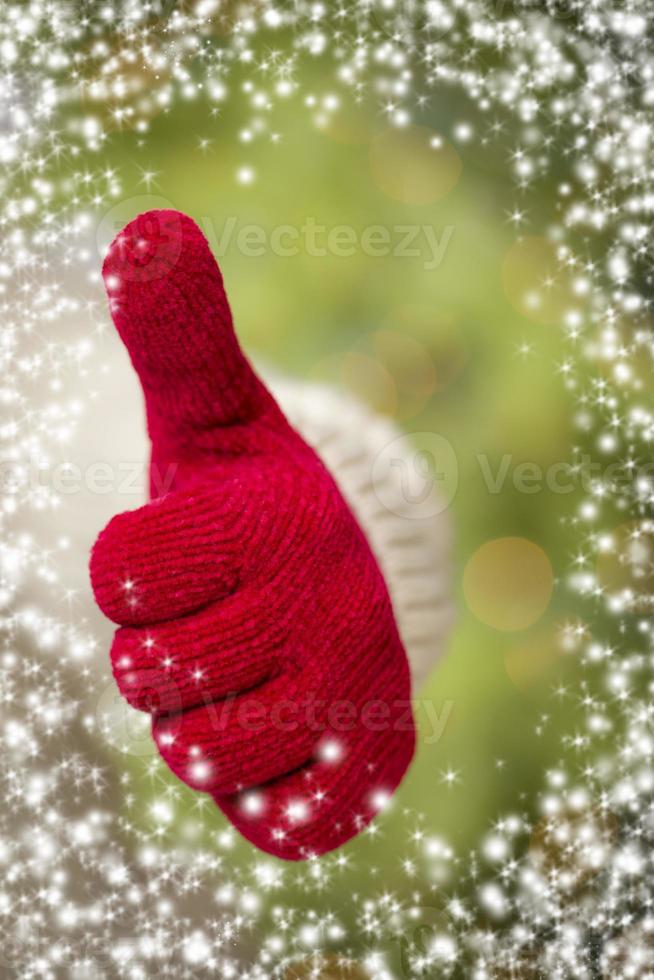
{"x": 508, "y": 583}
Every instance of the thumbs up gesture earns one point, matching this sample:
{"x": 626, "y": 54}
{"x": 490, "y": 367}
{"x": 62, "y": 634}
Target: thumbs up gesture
{"x": 255, "y": 625}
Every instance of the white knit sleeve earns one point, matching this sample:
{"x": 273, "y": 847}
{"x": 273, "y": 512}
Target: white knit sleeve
{"x": 412, "y": 545}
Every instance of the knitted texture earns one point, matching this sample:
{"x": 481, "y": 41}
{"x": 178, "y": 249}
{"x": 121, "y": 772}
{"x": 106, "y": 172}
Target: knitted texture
{"x": 410, "y": 535}
{"x": 254, "y": 623}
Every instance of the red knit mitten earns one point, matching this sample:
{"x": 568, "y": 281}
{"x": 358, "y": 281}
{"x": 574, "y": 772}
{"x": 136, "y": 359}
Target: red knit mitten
{"x": 255, "y": 624}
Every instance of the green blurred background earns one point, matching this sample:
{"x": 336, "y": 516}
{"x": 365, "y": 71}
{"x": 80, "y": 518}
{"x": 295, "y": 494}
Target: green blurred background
{"x": 469, "y": 350}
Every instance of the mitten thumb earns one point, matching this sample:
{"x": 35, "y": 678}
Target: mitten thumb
{"x": 169, "y": 306}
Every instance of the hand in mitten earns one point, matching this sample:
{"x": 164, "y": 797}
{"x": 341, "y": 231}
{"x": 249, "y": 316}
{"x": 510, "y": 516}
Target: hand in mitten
{"x": 255, "y": 624}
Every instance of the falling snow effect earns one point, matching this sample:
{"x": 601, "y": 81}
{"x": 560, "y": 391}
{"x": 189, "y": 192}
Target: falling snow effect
{"x": 90, "y": 890}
